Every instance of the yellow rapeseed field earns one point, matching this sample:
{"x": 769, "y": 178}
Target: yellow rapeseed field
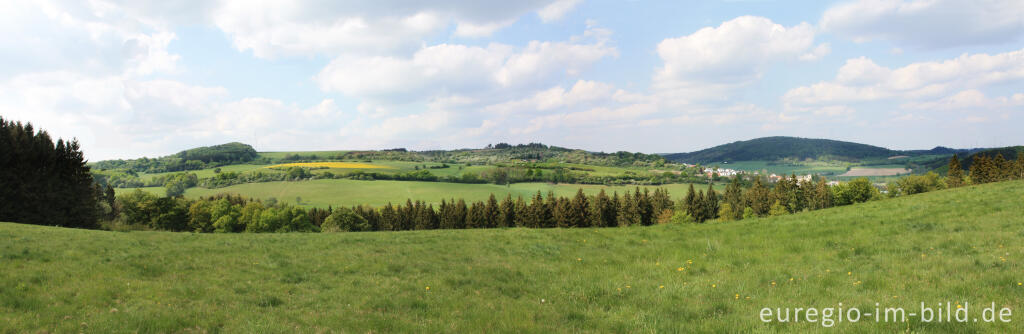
{"x": 329, "y": 164}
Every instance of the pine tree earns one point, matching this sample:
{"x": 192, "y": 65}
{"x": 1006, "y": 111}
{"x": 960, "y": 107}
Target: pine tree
{"x": 690, "y": 202}
{"x": 955, "y": 177}
{"x": 492, "y": 212}
{"x": 711, "y": 203}
{"x": 629, "y": 212}
{"x": 579, "y": 210}
{"x": 460, "y": 214}
{"x": 507, "y": 211}
{"x": 1001, "y": 168}
{"x": 646, "y": 208}
{"x": 477, "y": 216}
{"x": 538, "y": 212}
{"x": 759, "y": 198}
{"x": 616, "y": 204}
{"x": 734, "y": 197}
{"x": 980, "y": 170}
{"x": 522, "y": 213}
{"x": 388, "y": 218}
{"x": 43, "y": 183}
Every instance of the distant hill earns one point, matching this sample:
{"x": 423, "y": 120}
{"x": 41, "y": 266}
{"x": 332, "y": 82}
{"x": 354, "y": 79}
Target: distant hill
{"x": 776, "y": 148}
{"x": 230, "y": 152}
{"x": 191, "y": 159}
{"x": 941, "y": 166}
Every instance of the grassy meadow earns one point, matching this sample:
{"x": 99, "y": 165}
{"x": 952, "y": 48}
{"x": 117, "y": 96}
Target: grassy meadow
{"x": 964, "y": 245}
{"x": 344, "y": 192}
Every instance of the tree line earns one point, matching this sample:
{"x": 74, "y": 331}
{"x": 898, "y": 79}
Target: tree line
{"x": 42, "y": 182}
{"x": 983, "y": 169}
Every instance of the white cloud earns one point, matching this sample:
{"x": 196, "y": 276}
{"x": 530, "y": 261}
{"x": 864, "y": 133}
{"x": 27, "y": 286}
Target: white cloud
{"x": 971, "y": 99}
{"x": 861, "y": 80}
{"x": 389, "y": 27}
{"x": 556, "y": 10}
{"x": 928, "y": 23}
{"x": 448, "y": 68}
{"x": 91, "y": 37}
{"x": 714, "y": 60}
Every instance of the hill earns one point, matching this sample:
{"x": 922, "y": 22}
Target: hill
{"x": 941, "y": 166}
{"x": 777, "y": 148}
{"x": 191, "y": 159}
{"x": 962, "y": 246}
{"x": 228, "y": 153}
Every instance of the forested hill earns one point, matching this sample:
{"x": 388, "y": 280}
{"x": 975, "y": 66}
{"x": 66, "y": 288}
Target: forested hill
{"x": 776, "y": 148}
{"x": 191, "y": 159}
{"x": 230, "y": 152}
{"x": 494, "y": 154}
{"x": 941, "y": 166}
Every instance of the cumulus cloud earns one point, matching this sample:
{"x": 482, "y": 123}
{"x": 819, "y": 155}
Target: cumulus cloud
{"x": 287, "y": 28}
{"x": 861, "y": 79}
{"x": 716, "y": 59}
{"x": 928, "y": 23}
{"x": 970, "y": 99}
{"x": 447, "y": 68}
{"x": 557, "y": 9}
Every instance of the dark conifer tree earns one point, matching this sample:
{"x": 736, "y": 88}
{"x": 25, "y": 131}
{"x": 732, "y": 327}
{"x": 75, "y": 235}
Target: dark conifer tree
{"x": 603, "y": 211}
{"x": 711, "y": 203}
{"x": 617, "y": 205}
{"x": 43, "y": 183}
{"x": 507, "y": 212}
{"x": 955, "y": 176}
{"x": 579, "y": 210}
{"x": 759, "y": 198}
{"x": 461, "y": 214}
{"x": 522, "y": 213}
{"x": 492, "y": 213}
{"x": 734, "y": 197}
{"x": 477, "y": 217}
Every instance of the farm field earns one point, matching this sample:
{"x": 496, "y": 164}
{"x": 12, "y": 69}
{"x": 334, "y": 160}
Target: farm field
{"x": 329, "y": 165}
{"x": 963, "y": 246}
{"x": 335, "y": 192}
{"x": 784, "y": 168}
{"x": 862, "y": 171}
{"x": 320, "y": 154}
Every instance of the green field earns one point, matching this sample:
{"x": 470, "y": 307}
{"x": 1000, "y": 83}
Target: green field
{"x": 781, "y": 168}
{"x": 343, "y": 192}
{"x": 964, "y": 245}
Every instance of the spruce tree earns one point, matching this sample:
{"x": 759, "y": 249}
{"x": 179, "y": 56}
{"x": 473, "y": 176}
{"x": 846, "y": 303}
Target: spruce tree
{"x": 690, "y": 202}
{"x": 492, "y": 212}
{"x": 461, "y": 214}
{"x": 522, "y": 211}
{"x": 955, "y": 176}
{"x": 579, "y": 210}
{"x": 734, "y": 197}
{"x": 759, "y": 198}
{"x": 507, "y": 211}
{"x": 711, "y": 203}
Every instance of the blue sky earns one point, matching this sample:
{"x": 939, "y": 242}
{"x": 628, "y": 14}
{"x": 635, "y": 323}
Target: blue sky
{"x": 147, "y": 78}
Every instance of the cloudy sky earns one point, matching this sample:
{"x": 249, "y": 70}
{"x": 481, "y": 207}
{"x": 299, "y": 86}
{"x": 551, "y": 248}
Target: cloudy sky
{"x": 150, "y": 78}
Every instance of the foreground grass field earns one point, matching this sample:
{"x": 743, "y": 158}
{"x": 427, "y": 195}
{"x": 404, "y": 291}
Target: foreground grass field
{"x": 964, "y": 245}
{"x": 343, "y": 192}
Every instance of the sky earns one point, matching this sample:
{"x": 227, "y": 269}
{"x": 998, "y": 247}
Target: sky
{"x": 150, "y": 78}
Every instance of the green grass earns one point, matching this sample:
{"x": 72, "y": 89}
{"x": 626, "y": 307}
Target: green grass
{"x": 959, "y": 245}
{"x": 343, "y": 192}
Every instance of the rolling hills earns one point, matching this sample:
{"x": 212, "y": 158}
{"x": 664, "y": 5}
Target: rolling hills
{"x": 796, "y": 149}
{"x": 776, "y": 148}
{"x": 963, "y": 246}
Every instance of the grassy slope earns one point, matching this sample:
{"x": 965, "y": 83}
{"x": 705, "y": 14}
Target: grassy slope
{"x": 321, "y": 193}
{"x": 963, "y": 245}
